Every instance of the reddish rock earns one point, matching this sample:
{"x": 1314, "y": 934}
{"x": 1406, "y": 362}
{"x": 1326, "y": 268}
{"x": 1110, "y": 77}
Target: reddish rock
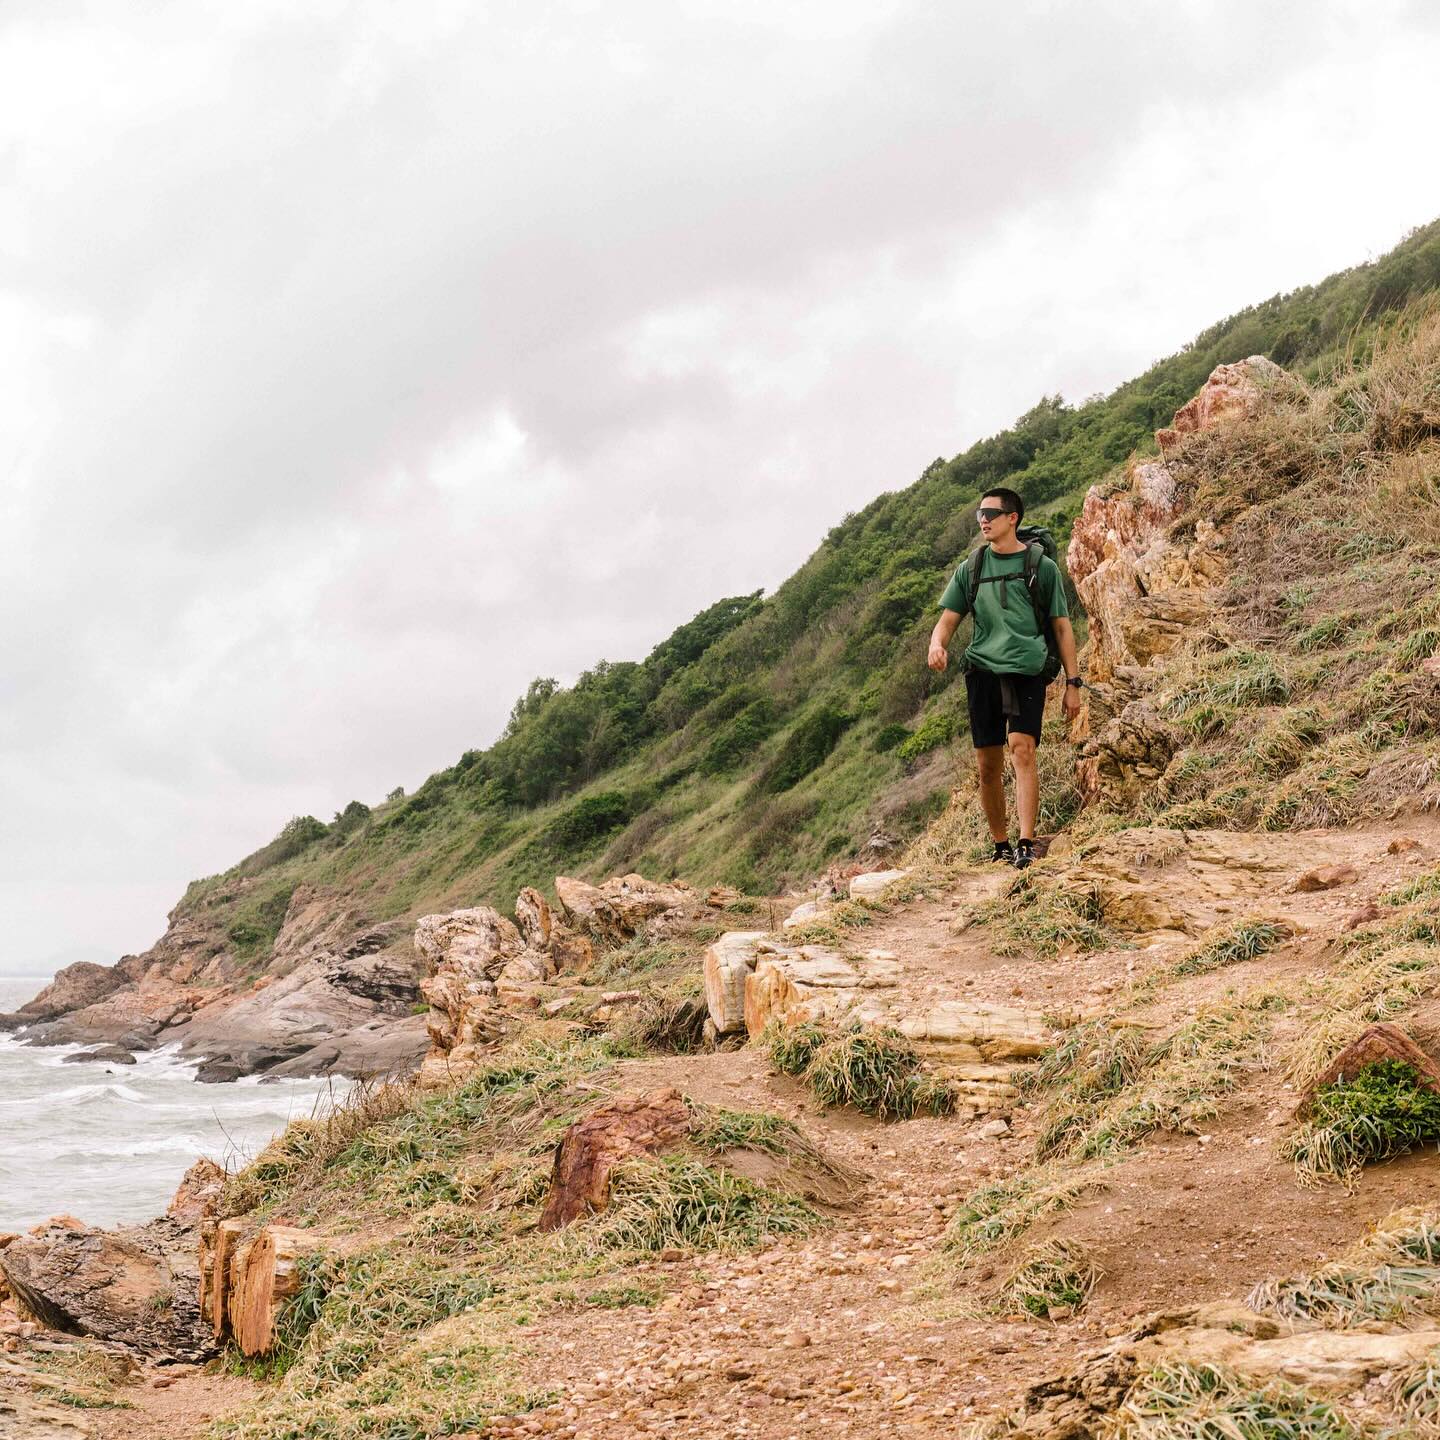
{"x": 625, "y": 1129}
{"x": 1362, "y": 916}
{"x": 198, "y": 1196}
{"x": 1326, "y": 877}
{"x": 245, "y": 1280}
{"x": 1402, "y": 845}
{"x": 1233, "y": 392}
{"x": 1371, "y": 1047}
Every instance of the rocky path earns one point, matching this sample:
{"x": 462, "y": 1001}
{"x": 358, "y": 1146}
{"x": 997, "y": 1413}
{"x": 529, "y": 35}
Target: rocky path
{"x": 864, "y": 1328}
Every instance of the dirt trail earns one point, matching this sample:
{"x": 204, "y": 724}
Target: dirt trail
{"x": 863, "y": 1329}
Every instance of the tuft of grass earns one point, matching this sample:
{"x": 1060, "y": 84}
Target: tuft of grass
{"x": 1392, "y": 1273}
{"x": 995, "y": 1214}
{"x": 793, "y": 1047}
{"x": 1040, "y": 915}
{"x": 1052, "y": 1277}
{"x": 1179, "y": 1401}
{"x": 680, "y": 1202}
{"x": 1233, "y": 944}
{"x": 873, "y": 1068}
{"x": 1383, "y": 1111}
{"x": 1415, "y": 1393}
{"x": 1113, "y": 1088}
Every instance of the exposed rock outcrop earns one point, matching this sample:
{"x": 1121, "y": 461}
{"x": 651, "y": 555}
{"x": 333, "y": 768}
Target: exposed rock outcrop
{"x": 137, "y": 1285}
{"x": 753, "y": 981}
{"x": 620, "y": 908}
{"x": 485, "y": 969}
{"x": 245, "y": 1277}
{"x": 336, "y": 993}
{"x": 1081, "y": 1403}
{"x": 1146, "y": 587}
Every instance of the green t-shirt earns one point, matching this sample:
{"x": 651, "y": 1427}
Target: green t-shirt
{"x": 1007, "y": 639}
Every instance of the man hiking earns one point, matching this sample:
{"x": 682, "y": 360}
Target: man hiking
{"x": 1015, "y": 593}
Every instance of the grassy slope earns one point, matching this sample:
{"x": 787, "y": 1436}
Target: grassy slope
{"x": 767, "y": 737}
{"x": 436, "y": 1268}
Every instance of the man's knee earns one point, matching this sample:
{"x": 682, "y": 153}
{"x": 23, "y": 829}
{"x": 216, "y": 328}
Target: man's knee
{"x": 990, "y": 761}
{"x": 1022, "y": 749}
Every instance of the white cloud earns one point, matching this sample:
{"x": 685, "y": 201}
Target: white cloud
{"x": 362, "y": 362}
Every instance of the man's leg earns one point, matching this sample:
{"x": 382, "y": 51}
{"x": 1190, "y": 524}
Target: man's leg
{"x": 990, "y": 761}
{"x": 1027, "y": 783}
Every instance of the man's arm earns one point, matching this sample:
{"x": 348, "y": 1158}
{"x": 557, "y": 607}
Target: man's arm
{"x": 944, "y": 632}
{"x": 1065, "y": 643}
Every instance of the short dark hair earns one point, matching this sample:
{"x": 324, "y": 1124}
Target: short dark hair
{"x": 1012, "y": 503}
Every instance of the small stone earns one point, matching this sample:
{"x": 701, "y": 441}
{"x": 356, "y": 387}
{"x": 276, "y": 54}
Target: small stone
{"x": 797, "y": 1340}
{"x": 1326, "y": 877}
{"x": 993, "y": 1129}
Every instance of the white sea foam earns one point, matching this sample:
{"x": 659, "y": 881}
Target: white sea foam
{"x": 109, "y": 1143}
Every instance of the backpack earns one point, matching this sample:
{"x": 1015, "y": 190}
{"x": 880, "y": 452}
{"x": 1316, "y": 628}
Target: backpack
{"x": 1039, "y": 542}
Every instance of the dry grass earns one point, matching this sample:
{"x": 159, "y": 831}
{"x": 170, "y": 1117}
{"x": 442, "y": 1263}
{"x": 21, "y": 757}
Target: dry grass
{"x": 1052, "y": 1280}
{"x": 1391, "y": 1274}
{"x": 1178, "y": 1401}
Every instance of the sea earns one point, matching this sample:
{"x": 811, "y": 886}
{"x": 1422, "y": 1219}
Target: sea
{"x": 109, "y": 1143}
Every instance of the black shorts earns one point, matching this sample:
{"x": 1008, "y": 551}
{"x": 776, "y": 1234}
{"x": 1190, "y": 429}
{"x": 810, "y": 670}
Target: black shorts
{"x": 989, "y": 723}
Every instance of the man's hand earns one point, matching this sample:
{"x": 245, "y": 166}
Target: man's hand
{"x": 939, "y": 656}
{"x": 1072, "y": 701}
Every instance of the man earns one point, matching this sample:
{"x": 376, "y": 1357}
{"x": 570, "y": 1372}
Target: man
{"x": 1004, "y": 663}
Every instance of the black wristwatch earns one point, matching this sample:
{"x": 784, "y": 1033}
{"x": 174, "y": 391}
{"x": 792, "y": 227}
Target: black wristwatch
{"x": 1076, "y": 681}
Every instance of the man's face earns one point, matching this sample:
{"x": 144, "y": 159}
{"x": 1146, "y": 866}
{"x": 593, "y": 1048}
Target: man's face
{"x": 996, "y": 525}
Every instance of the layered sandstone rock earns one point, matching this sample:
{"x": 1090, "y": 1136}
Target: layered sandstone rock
{"x": 628, "y": 1128}
{"x": 246, "y": 1276}
{"x": 1147, "y": 588}
{"x": 1083, "y": 1401}
{"x": 753, "y": 981}
{"x": 620, "y": 908}
{"x": 136, "y": 1285}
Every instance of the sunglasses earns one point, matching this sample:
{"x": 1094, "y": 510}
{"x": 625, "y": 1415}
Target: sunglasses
{"x": 989, "y": 512}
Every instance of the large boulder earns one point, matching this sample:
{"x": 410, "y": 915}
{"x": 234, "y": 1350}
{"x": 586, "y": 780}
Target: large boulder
{"x": 73, "y": 988}
{"x": 338, "y": 1012}
{"x": 620, "y": 908}
{"x": 137, "y": 1286}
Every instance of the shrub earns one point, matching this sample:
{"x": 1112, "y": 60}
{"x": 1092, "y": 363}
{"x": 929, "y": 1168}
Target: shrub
{"x": 888, "y": 737}
{"x": 1382, "y": 1112}
{"x": 807, "y": 746}
{"x": 874, "y": 1069}
{"x": 588, "y": 819}
{"x": 938, "y": 728}
{"x": 739, "y": 738}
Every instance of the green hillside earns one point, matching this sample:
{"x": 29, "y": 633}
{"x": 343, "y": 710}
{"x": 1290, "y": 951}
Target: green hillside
{"x": 771, "y": 734}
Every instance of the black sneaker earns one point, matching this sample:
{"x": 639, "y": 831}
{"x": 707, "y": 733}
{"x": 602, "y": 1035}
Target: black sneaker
{"x": 1003, "y": 855}
{"x": 1024, "y": 854}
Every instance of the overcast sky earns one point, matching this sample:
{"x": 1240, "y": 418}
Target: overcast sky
{"x": 360, "y": 361}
